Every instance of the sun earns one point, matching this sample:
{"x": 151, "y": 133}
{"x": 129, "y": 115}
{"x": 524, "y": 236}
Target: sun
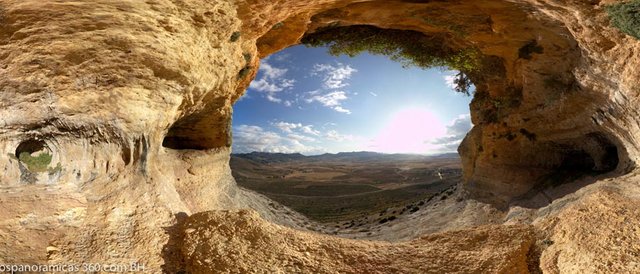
{"x": 410, "y": 130}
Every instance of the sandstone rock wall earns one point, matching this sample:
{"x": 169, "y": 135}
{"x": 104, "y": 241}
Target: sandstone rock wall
{"x": 131, "y": 100}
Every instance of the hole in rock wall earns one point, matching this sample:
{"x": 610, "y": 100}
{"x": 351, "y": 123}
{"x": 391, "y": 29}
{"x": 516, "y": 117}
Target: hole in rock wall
{"x": 34, "y": 155}
{"x": 592, "y": 155}
{"x": 356, "y": 142}
{"x": 35, "y": 160}
{"x": 573, "y": 163}
{"x": 207, "y": 129}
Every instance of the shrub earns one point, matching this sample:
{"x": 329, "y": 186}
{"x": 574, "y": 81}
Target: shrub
{"x": 235, "y": 36}
{"x": 54, "y": 170}
{"x": 626, "y": 17}
{"x": 244, "y": 72}
{"x": 35, "y": 164}
{"x": 410, "y": 48}
{"x": 247, "y": 57}
{"x": 462, "y": 83}
{"x": 277, "y": 25}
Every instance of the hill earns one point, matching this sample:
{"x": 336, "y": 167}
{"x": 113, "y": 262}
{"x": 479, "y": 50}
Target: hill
{"x": 346, "y": 186}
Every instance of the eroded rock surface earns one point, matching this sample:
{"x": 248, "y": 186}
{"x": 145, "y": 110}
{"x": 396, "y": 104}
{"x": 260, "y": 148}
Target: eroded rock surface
{"x": 241, "y": 241}
{"x": 129, "y": 103}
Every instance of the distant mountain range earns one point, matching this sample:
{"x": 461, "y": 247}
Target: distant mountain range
{"x": 360, "y": 156}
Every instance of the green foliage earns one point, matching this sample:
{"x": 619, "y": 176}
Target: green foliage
{"x": 626, "y": 17}
{"x": 235, "y": 36}
{"x": 38, "y": 163}
{"x": 450, "y": 25}
{"x": 462, "y": 83}
{"x": 247, "y": 57}
{"x": 244, "y": 72}
{"x": 277, "y": 25}
{"x": 55, "y": 170}
{"x": 410, "y": 48}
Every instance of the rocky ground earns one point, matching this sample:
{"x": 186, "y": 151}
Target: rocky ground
{"x": 115, "y": 134}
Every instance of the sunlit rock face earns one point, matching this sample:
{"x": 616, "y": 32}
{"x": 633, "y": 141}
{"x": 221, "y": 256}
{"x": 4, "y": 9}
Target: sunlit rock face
{"x": 115, "y": 115}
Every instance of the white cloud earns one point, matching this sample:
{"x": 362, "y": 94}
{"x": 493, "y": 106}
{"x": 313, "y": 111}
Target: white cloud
{"x": 301, "y": 138}
{"x": 449, "y": 78}
{"x": 271, "y": 82}
{"x": 287, "y": 83}
{"x": 296, "y": 127}
{"x": 456, "y": 131}
{"x": 287, "y": 127}
{"x": 263, "y": 85}
{"x": 333, "y": 135}
{"x": 272, "y": 98}
{"x": 330, "y": 124}
{"x": 281, "y": 57}
{"x": 314, "y": 92}
{"x": 341, "y": 109}
{"x": 248, "y": 138}
{"x": 308, "y": 129}
{"x": 334, "y": 77}
{"x": 332, "y": 100}
{"x": 270, "y": 71}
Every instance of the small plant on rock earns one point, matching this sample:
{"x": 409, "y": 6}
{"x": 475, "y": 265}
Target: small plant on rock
{"x": 235, "y": 36}
{"x": 410, "y": 48}
{"x": 37, "y": 163}
{"x": 626, "y": 17}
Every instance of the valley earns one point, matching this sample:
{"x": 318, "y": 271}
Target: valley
{"x": 349, "y": 191}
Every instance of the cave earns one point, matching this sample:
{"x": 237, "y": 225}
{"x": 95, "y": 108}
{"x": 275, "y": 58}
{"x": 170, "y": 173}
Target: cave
{"x": 555, "y": 104}
{"x": 197, "y": 132}
{"x": 531, "y": 67}
{"x": 576, "y": 161}
{"x": 30, "y": 146}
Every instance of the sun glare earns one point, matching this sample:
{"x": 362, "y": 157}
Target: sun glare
{"x": 410, "y": 130}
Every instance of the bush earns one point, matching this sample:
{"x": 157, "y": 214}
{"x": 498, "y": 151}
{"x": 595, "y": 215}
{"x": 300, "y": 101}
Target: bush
{"x": 410, "y": 48}
{"x": 277, "y": 25}
{"x": 626, "y": 17}
{"x": 462, "y": 83}
{"x": 35, "y": 164}
{"x": 235, "y": 36}
{"x": 247, "y": 57}
{"x": 244, "y": 72}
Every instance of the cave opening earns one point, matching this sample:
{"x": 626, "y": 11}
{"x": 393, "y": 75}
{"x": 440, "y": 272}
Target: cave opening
{"x": 517, "y": 74}
{"x": 356, "y": 135}
{"x": 574, "y": 163}
{"x": 34, "y": 154}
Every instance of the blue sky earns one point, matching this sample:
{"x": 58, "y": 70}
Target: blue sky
{"x": 305, "y": 100}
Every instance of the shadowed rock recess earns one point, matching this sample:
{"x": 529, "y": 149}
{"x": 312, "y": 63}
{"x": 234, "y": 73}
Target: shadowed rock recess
{"x": 115, "y": 138}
